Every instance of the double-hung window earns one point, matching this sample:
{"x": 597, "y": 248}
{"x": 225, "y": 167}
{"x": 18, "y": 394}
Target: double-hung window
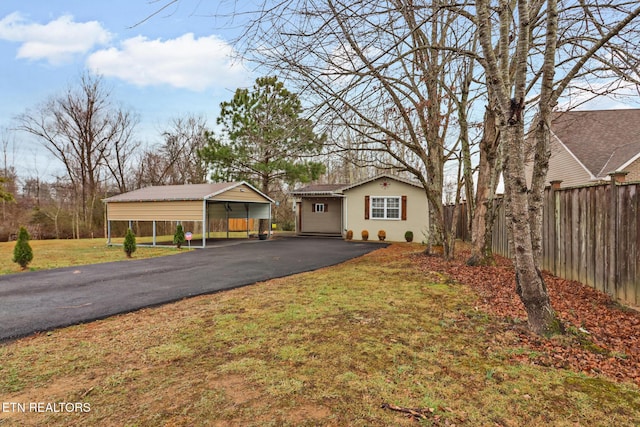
{"x": 385, "y": 207}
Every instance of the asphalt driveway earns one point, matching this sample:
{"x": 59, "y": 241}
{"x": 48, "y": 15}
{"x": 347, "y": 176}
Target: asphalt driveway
{"x": 44, "y": 300}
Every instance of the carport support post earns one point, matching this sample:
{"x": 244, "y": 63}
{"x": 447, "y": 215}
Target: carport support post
{"x": 269, "y": 220}
{"x": 246, "y": 208}
{"x": 226, "y": 210}
{"x": 108, "y": 232}
{"x": 208, "y": 221}
{"x": 154, "y": 232}
{"x": 204, "y": 223}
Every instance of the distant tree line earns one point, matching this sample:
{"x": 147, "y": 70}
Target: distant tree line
{"x": 264, "y": 140}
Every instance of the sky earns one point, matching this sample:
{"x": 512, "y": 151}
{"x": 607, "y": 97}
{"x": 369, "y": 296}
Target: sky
{"x": 173, "y": 64}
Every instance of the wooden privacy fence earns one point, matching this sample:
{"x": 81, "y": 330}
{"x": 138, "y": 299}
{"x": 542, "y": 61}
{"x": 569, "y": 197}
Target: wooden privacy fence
{"x": 241, "y": 224}
{"x": 590, "y": 234}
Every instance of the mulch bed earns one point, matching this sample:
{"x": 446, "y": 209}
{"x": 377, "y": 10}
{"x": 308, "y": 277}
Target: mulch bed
{"x": 603, "y": 337}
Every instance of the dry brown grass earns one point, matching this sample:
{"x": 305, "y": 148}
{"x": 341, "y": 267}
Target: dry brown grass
{"x": 319, "y": 348}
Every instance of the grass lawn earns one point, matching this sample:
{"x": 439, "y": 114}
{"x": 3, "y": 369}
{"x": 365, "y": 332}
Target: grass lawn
{"x": 64, "y": 253}
{"x": 328, "y": 347}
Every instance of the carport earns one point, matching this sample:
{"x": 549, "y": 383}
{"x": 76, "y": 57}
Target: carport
{"x": 191, "y": 202}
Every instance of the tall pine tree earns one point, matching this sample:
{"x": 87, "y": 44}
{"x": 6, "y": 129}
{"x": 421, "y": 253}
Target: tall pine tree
{"x": 264, "y": 139}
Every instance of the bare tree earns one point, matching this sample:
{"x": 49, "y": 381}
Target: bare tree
{"x": 347, "y": 160}
{"x": 379, "y": 69}
{"x": 6, "y": 193}
{"x": 119, "y": 159}
{"x": 186, "y": 137}
{"x": 576, "y": 69}
{"x": 176, "y": 161}
{"x": 81, "y": 128}
{"x": 388, "y": 78}
{"x": 489, "y": 169}
{"x": 509, "y": 84}
{"x": 608, "y": 52}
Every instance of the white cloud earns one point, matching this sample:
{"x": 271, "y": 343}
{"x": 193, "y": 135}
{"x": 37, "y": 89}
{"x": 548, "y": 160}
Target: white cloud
{"x": 602, "y": 94}
{"x": 184, "y": 62}
{"x": 57, "y": 41}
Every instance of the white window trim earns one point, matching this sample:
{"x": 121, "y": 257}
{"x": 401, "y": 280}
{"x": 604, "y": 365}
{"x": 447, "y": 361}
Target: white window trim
{"x": 319, "y": 208}
{"x": 385, "y": 208}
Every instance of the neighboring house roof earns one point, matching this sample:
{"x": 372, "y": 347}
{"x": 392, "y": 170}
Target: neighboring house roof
{"x": 603, "y": 141}
{"x": 180, "y": 192}
{"x": 337, "y": 189}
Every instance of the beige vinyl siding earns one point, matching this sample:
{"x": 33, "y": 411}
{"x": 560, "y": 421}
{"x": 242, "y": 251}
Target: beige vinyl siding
{"x": 562, "y": 167}
{"x": 417, "y": 217}
{"x": 634, "y": 171}
{"x": 242, "y": 193}
{"x": 322, "y": 222}
{"x": 155, "y": 211}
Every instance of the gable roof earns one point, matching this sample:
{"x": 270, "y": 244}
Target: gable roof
{"x": 381, "y": 176}
{"x": 603, "y": 141}
{"x": 336, "y": 189}
{"x": 180, "y": 192}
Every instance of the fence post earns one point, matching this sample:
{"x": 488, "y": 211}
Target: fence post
{"x": 617, "y": 178}
{"x": 555, "y": 196}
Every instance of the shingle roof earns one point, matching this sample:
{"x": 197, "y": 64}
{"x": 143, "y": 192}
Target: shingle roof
{"x": 174, "y": 192}
{"x": 328, "y": 189}
{"x": 603, "y": 140}
{"x": 319, "y": 189}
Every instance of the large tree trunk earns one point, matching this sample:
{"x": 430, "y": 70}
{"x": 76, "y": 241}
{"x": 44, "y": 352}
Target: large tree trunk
{"x": 542, "y": 133}
{"x": 488, "y": 173}
{"x": 536, "y": 195}
{"x": 440, "y": 240}
{"x": 530, "y": 285}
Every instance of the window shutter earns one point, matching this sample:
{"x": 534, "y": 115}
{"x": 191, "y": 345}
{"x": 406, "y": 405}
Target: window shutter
{"x": 313, "y": 207}
{"x": 404, "y": 208}
{"x": 326, "y": 207}
{"x": 366, "y": 207}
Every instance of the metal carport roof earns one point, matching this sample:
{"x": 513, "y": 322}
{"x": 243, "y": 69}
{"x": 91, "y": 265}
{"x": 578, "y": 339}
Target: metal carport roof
{"x": 188, "y": 202}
